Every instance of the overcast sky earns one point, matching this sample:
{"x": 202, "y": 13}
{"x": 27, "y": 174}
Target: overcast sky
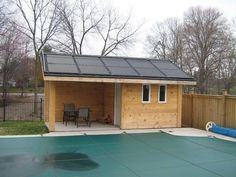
{"x": 152, "y": 11}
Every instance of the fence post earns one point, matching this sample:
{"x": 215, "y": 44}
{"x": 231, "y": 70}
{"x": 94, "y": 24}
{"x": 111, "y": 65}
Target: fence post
{"x": 41, "y": 109}
{"x": 191, "y": 97}
{"x": 224, "y": 107}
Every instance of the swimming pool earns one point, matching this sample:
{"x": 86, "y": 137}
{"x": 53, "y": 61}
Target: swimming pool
{"x": 119, "y": 155}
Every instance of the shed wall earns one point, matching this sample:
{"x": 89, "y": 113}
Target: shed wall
{"x": 135, "y": 114}
{"x": 82, "y": 94}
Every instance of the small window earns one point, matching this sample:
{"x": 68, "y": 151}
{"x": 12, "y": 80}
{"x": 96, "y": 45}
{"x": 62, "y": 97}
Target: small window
{"x": 162, "y": 94}
{"x": 146, "y": 93}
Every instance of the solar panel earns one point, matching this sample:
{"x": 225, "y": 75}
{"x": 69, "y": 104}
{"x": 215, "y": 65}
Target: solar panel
{"x": 161, "y": 64}
{"x": 153, "y": 72}
{"x": 60, "y": 59}
{"x": 116, "y": 62}
{"x": 122, "y": 71}
{"x": 88, "y": 61}
{"x": 112, "y": 66}
{"x": 140, "y": 63}
{"x": 62, "y": 68}
{"x": 101, "y": 70}
{"x": 174, "y": 73}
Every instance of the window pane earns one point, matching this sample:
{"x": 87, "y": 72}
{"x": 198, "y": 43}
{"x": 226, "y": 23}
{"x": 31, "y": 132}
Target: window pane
{"x": 162, "y": 94}
{"x": 145, "y": 92}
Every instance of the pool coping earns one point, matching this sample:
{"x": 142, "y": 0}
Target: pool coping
{"x": 192, "y": 132}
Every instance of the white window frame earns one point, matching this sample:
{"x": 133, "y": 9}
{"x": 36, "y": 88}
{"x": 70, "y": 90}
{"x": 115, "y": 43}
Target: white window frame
{"x": 149, "y": 95}
{"x": 160, "y": 93}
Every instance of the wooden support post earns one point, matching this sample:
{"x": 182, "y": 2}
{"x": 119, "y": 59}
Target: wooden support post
{"x": 179, "y": 106}
{"x": 122, "y": 125}
{"x": 52, "y": 106}
{"x": 224, "y": 107}
{"x": 46, "y": 101}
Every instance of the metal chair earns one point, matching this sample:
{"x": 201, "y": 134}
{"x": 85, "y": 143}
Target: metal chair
{"x": 69, "y": 113}
{"x": 83, "y": 113}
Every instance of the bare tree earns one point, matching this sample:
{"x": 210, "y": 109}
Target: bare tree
{"x": 4, "y": 18}
{"x": 234, "y": 24}
{"x": 82, "y": 20}
{"x": 176, "y": 42}
{"x": 166, "y": 41}
{"x": 116, "y": 32}
{"x": 24, "y": 72}
{"x": 157, "y": 41}
{"x": 204, "y": 34}
{"x": 10, "y": 51}
{"x": 202, "y": 45}
{"x": 227, "y": 68}
{"x": 79, "y": 19}
{"x": 40, "y": 22}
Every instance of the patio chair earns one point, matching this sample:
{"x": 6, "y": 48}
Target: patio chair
{"x": 83, "y": 113}
{"x": 69, "y": 113}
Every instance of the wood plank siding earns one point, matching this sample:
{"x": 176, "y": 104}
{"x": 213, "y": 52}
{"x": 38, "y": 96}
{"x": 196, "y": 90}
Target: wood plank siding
{"x": 200, "y": 109}
{"x": 135, "y": 114}
{"x": 98, "y": 96}
{"x": 108, "y": 101}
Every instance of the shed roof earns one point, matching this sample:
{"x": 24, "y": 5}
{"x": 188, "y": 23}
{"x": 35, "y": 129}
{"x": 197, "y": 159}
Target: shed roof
{"x": 64, "y": 65}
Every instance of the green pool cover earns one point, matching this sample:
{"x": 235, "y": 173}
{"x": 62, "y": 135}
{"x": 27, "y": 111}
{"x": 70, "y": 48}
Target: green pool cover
{"x": 123, "y": 155}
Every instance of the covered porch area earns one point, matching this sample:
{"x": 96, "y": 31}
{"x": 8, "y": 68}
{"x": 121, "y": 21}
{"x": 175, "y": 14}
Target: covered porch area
{"x": 103, "y": 100}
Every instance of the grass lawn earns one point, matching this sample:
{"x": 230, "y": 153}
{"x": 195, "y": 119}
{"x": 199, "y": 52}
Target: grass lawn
{"x": 22, "y": 127}
{"x": 26, "y": 90}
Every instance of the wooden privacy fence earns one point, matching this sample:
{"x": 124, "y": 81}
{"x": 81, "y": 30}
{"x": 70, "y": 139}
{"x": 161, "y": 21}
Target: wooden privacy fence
{"x": 198, "y": 109}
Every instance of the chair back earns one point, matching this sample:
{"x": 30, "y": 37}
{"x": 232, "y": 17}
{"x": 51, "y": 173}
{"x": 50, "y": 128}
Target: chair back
{"x": 69, "y": 107}
{"x": 83, "y": 112}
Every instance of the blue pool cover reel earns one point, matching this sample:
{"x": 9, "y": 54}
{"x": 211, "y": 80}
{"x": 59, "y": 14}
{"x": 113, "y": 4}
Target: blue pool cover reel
{"x": 223, "y": 131}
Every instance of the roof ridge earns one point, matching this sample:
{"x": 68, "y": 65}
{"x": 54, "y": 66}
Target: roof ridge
{"x": 123, "y": 57}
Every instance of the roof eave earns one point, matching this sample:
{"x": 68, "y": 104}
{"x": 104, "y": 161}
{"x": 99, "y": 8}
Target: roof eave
{"x": 120, "y": 79}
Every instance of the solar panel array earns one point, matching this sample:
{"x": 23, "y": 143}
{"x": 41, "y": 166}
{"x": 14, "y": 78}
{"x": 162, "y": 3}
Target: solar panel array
{"x": 111, "y": 66}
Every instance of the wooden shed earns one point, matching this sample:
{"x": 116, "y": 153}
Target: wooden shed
{"x": 133, "y": 93}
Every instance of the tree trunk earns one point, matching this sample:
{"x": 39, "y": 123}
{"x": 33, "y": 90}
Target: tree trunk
{"x": 36, "y": 84}
{"x": 201, "y": 80}
{"x": 22, "y": 91}
{"x": 228, "y": 87}
{"x": 4, "y": 93}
